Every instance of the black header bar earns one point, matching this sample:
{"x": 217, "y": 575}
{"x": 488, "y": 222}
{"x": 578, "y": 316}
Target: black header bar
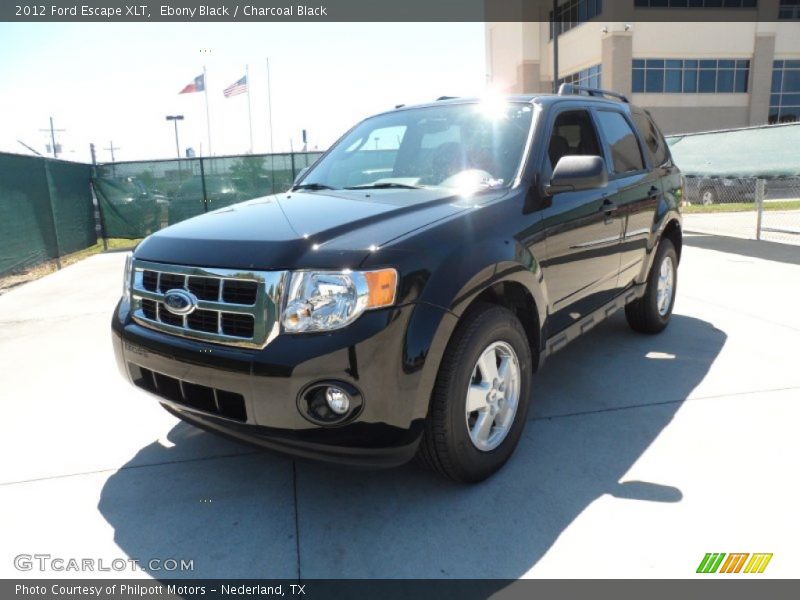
{"x": 146, "y": 11}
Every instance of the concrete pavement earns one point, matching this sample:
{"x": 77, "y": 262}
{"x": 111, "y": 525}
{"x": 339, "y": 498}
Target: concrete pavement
{"x": 781, "y": 226}
{"x": 641, "y": 453}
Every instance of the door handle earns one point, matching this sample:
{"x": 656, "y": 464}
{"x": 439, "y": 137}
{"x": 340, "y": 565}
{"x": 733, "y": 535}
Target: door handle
{"x": 608, "y": 206}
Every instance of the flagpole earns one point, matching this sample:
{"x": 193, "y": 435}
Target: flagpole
{"x": 208, "y": 114}
{"x": 269, "y": 100}
{"x": 249, "y": 107}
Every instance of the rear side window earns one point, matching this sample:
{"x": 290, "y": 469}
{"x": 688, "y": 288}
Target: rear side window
{"x": 653, "y": 140}
{"x": 625, "y": 154}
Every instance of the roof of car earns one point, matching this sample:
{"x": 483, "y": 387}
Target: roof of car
{"x": 545, "y": 99}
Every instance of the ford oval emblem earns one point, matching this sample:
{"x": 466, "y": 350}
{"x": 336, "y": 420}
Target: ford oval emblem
{"x": 180, "y": 302}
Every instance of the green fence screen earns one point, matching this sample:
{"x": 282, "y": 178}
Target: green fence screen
{"x": 138, "y": 198}
{"x": 766, "y": 152}
{"x": 46, "y": 210}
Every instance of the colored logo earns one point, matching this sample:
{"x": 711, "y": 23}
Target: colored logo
{"x": 719, "y": 562}
{"x": 179, "y": 302}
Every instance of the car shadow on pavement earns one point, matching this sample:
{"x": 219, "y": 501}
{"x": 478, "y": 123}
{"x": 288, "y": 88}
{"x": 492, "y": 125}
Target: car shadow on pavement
{"x": 785, "y": 253}
{"x": 597, "y": 407}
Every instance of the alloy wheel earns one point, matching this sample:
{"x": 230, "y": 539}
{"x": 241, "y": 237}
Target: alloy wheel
{"x": 493, "y": 396}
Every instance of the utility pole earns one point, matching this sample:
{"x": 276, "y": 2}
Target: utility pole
{"x": 269, "y": 101}
{"x": 556, "y": 26}
{"x": 111, "y": 148}
{"x": 93, "y": 153}
{"x": 52, "y": 131}
{"x": 175, "y": 119}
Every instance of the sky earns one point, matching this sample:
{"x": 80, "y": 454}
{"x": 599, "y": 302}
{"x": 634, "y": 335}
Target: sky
{"x": 116, "y": 82}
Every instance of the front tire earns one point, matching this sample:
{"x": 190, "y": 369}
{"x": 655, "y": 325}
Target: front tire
{"x": 480, "y": 400}
{"x": 651, "y": 313}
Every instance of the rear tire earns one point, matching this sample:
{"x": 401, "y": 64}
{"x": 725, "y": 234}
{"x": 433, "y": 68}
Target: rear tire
{"x": 651, "y": 313}
{"x": 470, "y": 445}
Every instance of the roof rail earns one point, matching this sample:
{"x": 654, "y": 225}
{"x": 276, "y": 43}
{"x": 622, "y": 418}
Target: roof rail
{"x": 440, "y": 98}
{"x": 568, "y": 89}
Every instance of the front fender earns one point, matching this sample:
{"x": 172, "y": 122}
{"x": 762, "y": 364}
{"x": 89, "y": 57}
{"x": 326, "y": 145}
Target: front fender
{"x": 449, "y": 292}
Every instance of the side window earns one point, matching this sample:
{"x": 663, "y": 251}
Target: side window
{"x": 653, "y": 140}
{"x": 625, "y": 153}
{"x": 573, "y": 133}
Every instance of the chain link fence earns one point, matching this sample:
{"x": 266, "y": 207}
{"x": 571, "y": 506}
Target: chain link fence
{"x": 46, "y": 211}
{"x": 139, "y": 198}
{"x": 51, "y": 208}
{"x": 745, "y": 207}
{"x": 742, "y": 182}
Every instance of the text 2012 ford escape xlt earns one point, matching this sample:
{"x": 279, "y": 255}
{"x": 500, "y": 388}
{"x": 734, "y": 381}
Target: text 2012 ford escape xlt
{"x": 397, "y": 301}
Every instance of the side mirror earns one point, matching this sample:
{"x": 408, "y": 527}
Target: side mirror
{"x": 574, "y": 173}
{"x": 300, "y": 175}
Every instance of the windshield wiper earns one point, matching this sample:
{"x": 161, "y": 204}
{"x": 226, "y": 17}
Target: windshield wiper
{"x": 385, "y": 185}
{"x": 312, "y": 187}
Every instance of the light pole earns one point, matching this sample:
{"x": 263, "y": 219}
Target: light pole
{"x": 175, "y": 119}
{"x": 556, "y": 25}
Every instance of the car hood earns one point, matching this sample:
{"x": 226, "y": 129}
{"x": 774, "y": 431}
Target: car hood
{"x": 332, "y": 229}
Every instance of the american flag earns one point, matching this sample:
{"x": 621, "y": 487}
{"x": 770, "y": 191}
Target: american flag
{"x": 240, "y": 87}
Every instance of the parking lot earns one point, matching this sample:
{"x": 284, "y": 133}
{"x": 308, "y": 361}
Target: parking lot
{"x": 641, "y": 453}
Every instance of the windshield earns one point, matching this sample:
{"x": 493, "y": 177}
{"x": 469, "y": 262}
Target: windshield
{"x": 451, "y": 146}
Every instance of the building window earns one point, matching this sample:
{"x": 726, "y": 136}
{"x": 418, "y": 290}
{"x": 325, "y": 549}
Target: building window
{"x": 685, "y": 76}
{"x": 789, "y": 9}
{"x": 784, "y": 101}
{"x": 696, "y": 3}
{"x": 591, "y": 77}
{"x": 574, "y": 12}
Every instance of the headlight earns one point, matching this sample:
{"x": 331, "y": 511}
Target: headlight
{"x": 126, "y": 281}
{"x": 327, "y": 300}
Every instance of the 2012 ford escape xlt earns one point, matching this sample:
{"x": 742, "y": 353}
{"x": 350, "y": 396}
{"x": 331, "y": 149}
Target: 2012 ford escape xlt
{"x": 397, "y": 301}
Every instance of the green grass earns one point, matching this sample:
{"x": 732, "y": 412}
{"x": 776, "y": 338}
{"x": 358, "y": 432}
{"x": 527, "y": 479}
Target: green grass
{"x": 741, "y": 207}
{"x": 113, "y": 244}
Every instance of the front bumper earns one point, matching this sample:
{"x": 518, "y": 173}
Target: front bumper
{"x": 200, "y": 382}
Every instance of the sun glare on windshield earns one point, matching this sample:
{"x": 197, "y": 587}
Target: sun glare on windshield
{"x": 461, "y": 146}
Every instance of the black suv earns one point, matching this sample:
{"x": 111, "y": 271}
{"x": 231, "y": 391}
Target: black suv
{"x": 397, "y": 301}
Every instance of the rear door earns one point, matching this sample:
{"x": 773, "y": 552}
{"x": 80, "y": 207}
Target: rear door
{"x": 582, "y": 228}
{"x": 637, "y": 190}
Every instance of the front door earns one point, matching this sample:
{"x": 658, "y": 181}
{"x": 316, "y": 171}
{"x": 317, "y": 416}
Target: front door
{"x": 582, "y": 230}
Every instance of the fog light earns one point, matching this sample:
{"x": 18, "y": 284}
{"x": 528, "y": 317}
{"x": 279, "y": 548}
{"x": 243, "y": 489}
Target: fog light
{"x": 330, "y": 402}
{"x": 337, "y": 400}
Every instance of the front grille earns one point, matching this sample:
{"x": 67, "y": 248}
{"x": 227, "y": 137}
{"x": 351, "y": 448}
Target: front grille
{"x": 239, "y": 308}
{"x": 237, "y": 325}
{"x": 206, "y": 320}
{"x": 170, "y": 281}
{"x": 150, "y": 281}
{"x": 205, "y": 288}
{"x": 240, "y": 292}
{"x": 199, "y": 397}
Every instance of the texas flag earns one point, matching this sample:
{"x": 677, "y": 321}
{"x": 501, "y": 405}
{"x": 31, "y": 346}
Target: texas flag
{"x": 198, "y": 85}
